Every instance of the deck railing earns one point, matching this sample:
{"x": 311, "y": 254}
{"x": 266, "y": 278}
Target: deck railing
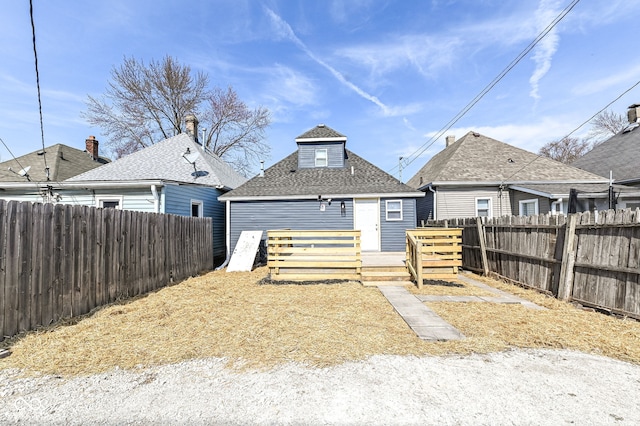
{"x": 434, "y": 253}
{"x": 311, "y": 255}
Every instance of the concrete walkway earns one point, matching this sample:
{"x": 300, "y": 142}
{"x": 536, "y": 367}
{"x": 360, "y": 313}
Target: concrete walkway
{"x": 422, "y": 320}
{"x": 426, "y": 323}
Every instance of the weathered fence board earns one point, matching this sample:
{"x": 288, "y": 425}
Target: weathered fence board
{"x": 596, "y": 262}
{"x": 62, "y": 261}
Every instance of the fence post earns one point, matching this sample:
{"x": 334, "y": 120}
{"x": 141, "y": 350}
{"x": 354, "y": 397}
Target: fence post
{"x": 483, "y": 246}
{"x": 419, "y": 264}
{"x": 565, "y": 285}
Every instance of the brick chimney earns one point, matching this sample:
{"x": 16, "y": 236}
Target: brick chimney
{"x": 191, "y": 123}
{"x": 450, "y": 139}
{"x": 92, "y": 147}
{"x": 633, "y": 113}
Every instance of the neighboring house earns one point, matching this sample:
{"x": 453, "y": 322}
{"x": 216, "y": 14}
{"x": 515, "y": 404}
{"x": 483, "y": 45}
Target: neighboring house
{"x": 480, "y": 176}
{"x": 323, "y": 185}
{"x": 175, "y": 176}
{"x": 53, "y": 164}
{"x": 619, "y": 157}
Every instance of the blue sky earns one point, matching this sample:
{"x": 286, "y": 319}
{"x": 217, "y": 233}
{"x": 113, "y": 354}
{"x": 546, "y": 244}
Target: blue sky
{"x": 387, "y": 74}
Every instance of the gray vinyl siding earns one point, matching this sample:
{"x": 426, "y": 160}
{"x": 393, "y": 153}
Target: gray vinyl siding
{"x": 392, "y": 233}
{"x": 306, "y": 214}
{"x": 544, "y": 204}
{"x": 178, "y": 201}
{"x": 307, "y": 154}
{"x": 285, "y": 214}
{"x": 461, "y": 202}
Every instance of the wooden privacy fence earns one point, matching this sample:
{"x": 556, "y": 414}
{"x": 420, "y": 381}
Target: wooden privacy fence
{"x": 433, "y": 253}
{"x": 592, "y": 258}
{"x": 314, "y": 255}
{"x": 62, "y": 261}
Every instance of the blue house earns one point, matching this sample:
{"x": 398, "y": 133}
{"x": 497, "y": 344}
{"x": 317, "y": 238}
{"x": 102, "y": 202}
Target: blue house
{"x": 322, "y": 185}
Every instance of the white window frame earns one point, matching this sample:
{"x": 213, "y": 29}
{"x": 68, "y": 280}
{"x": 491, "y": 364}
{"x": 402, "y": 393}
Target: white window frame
{"x": 110, "y": 198}
{"x": 490, "y": 212}
{"x": 324, "y": 159}
{"x": 535, "y": 206}
{"x": 387, "y": 210}
{"x": 200, "y": 205}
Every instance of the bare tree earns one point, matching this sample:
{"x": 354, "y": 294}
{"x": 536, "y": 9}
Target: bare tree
{"x": 145, "y": 104}
{"x": 605, "y": 125}
{"x": 235, "y": 132}
{"x": 565, "y": 150}
{"x": 569, "y": 149}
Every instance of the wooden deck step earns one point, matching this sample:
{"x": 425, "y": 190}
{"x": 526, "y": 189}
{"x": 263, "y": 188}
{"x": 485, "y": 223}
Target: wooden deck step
{"x": 371, "y": 274}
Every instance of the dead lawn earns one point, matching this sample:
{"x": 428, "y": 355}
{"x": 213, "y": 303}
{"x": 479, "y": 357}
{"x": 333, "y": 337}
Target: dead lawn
{"x": 229, "y": 315}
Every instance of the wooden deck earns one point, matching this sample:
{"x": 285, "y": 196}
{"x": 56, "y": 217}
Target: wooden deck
{"x": 384, "y": 268}
{"x": 376, "y": 258}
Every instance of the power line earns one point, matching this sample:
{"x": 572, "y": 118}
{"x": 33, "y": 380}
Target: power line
{"x": 576, "y": 129}
{"x": 411, "y": 158}
{"x": 35, "y": 55}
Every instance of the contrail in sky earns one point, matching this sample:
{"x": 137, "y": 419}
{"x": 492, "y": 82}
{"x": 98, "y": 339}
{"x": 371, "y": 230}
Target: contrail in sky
{"x": 285, "y": 30}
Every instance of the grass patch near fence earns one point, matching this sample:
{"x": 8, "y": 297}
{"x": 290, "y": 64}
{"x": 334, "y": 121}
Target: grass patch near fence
{"x": 232, "y": 316}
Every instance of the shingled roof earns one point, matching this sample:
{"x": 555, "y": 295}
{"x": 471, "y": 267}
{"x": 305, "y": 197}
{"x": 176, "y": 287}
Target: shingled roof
{"x": 286, "y": 180}
{"x": 165, "y": 161}
{"x": 619, "y": 154}
{"x": 321, "y": 132}
{"x": 481, "y": 159}
{"x": 63, "y": 162}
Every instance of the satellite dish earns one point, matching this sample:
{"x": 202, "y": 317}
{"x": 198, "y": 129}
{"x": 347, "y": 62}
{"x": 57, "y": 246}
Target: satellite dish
{"x": 191, "y": 157}
{"x": 25, "y": 171}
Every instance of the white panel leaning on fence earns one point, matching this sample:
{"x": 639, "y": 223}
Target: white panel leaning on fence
{"x": 244, "y": 254}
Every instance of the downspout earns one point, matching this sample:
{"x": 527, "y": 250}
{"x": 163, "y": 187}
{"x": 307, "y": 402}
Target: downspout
{"x": 227, "y": 235}
{"x": 555, "y": 203}
{"x": 435, "y": 215}
{"x": 156, "y": 199}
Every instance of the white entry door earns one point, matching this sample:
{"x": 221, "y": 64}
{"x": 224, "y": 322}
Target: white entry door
{"x": 367, "y": 219}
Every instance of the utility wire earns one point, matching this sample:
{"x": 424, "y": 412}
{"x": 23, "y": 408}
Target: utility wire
{"x": 411, "y": 158}
{"x": 35, "y": 55}
{"x": 576, "y": 129}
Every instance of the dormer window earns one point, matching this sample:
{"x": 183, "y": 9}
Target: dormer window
{"x": 321, "y": 157}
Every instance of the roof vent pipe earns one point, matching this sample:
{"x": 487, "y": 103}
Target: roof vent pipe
{"x": 261, "y": 168}
{"x": 352, "y": 171}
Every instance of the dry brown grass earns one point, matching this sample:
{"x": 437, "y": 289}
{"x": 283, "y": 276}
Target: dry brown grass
{"x": 260, "y": 326}
{"x": 449, "y": 288}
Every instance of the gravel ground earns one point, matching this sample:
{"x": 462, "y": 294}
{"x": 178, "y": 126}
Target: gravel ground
{"x": 515, "y": 387}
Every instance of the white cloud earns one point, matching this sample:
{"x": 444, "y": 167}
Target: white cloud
{"x": 285, "y": 31}
{"x": 604, "y": 84}
{"x": 530, "y": 136}
{"x": 291, "y": 86}
{"x": 426, "y": 53}
{"x": 547, "y": 47}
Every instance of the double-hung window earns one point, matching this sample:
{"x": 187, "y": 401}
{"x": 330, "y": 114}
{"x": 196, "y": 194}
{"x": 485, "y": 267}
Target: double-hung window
{"x": 528, "y": 207}
{"x": 483, "y": 207}
{"x": 321, "y": 157}
{"x": 393, "y": 209}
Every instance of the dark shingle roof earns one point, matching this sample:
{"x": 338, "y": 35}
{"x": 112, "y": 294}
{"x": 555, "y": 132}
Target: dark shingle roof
{"x": 478, "y": 158}
{"x": 620, "y": 154}
{"x": 63, "y": 162}
{"x": 285, "y": 179}
{"x": 321, "y": 132}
